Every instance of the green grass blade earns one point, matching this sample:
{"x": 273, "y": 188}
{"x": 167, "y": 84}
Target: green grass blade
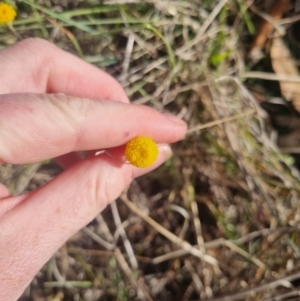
{"x": 61, "y": 17}
{"x": 89, "y": 11}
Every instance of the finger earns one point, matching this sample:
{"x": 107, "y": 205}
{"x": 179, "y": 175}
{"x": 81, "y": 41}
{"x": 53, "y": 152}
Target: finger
{"x": 33, "y": 230}
{"x": 37, "y": 66}
{"x": 38, "y": 127}
{"x": 164, "y": 154}
{"x": 4, "y": 192}
{"x": 117, "y": 154}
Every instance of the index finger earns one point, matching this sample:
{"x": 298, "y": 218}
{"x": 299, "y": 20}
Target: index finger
{"x": 35, "y": 127}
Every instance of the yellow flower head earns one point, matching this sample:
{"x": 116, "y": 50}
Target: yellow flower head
{"x": 7, "y": 13}
{"x": 141, "y": 151}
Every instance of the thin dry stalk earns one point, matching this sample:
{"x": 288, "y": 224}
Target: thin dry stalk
{"x": 21, "y": 179}
{"x": 127, "y": 58}
{"x": 204, "y": 27}
{"x": 217, "y": 243}
{"x": 106, "y": 253}
{"x": 198, "y": 285}
{"x": 287, "y": 296}
{"x": 175, "y": 239}
{"x": 270, "y": 76}
{"x": 121, "y": 230}
{"x": 142, "y": 292}
{"x": 189, "y": 193}
{"x": 221, "y": 121}
{"x": 126, "y": 269}
{"x": 186, "y": 216}
{"x": 284, "y": 281}
{"x": 98, "y": 239}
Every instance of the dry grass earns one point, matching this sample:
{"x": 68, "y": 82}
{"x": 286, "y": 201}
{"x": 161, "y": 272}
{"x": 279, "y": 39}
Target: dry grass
{"x": 218, "y": 219}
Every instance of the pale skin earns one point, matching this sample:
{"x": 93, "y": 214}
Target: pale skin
{"x": 52, "y": 105}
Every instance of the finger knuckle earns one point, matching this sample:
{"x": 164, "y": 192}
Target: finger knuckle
{"x": 72, "y": 112}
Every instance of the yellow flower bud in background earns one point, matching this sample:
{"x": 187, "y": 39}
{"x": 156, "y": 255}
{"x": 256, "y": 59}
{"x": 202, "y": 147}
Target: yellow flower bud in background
{"x": 7, "y": 13}
{"x": 141, "y": 151}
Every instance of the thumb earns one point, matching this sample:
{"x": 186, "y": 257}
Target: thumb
{"x": 43, "y": 220}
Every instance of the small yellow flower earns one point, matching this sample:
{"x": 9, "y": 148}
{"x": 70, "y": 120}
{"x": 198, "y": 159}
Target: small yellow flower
{"x": 7, "y": 13}
{"x": 141, "y": 151}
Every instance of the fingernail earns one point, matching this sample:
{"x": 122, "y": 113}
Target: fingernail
{"x": 166, "y": 150}
{"x": 174, "y": 119}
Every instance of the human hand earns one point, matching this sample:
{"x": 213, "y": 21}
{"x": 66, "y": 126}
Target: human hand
{"x": 36, "y": 125}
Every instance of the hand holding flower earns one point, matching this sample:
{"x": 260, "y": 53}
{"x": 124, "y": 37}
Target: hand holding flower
{"x": 91, "y": 112}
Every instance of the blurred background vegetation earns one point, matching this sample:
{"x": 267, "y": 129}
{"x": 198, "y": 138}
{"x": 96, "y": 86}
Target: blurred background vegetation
{"x": 220, "y": 219}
